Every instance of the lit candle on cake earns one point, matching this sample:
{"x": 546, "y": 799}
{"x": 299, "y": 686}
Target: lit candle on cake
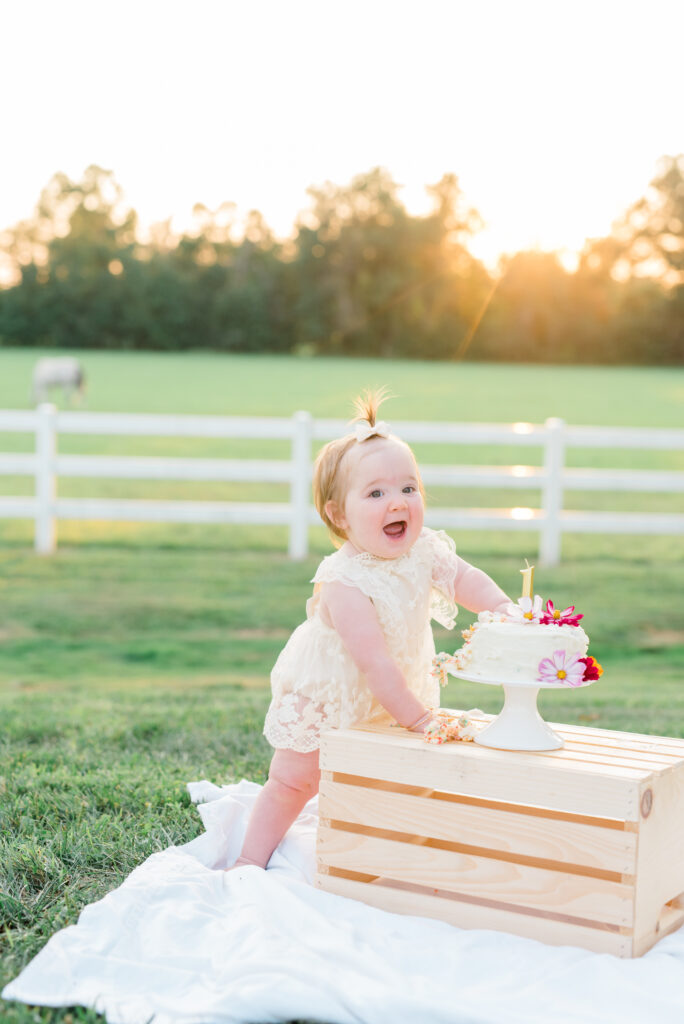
{"x": 528, "y": 581}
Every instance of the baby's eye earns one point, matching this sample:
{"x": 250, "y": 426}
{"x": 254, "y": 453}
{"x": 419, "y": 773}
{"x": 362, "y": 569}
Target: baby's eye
{"x": 409, "y": 489}
{"x": 376, "y": 493}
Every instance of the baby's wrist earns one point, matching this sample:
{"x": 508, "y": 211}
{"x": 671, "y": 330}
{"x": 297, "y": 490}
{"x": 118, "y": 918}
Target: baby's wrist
{"x": 420, "y": 723}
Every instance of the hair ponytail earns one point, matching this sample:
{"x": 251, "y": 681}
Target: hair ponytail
{"x": 366, "y": 405}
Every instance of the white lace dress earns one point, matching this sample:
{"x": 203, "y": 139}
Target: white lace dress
{"x": 316, "y": 684}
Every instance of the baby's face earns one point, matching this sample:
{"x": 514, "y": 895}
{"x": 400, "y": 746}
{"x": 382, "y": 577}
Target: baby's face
{"x": 383, "y": 506}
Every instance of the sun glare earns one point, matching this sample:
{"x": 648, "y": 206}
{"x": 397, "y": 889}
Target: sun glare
{"x": 523, "y": 107}
{"x": 522, "y": 513}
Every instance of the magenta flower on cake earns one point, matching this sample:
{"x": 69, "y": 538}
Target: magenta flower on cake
{"x": 526, "y": 610}
{"x": 564, "y": 618}
{"x": 562, "y": 668}
{"x": 593, "y": 670}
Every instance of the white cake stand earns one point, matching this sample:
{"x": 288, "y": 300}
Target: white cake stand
{"x": 518, "y": 726}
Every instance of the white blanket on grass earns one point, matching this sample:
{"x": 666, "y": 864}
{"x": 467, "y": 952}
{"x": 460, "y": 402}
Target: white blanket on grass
{"x": 182, "y": 942}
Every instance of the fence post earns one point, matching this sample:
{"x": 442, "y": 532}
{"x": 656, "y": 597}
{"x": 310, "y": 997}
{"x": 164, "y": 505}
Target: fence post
{"x": 301, "y": 482}
{"x": 552, "y": 496}
{"x": 46, "y": 481}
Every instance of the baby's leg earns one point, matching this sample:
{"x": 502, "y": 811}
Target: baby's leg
{"x": 292, "y": 781}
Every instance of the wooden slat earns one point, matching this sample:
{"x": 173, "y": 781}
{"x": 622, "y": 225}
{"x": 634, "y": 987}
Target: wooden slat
{"x": 476, "y": 915}
{"x": 637, "y": 746}
{"x": 527, "y": 860}
{"x": 654, "y": 760}
{"x": 505, "y": 831}
{"x": 610, "y": 749}
{"x": 608, "y": 738}
{"x": 568, "y": 760}
{"x": 626, "y": 739}
{"x": 480, "y": 772}
{"x": 594, "y": 899}
{"x": 476, "y": 801}
{"x": 599, "y": 756}
{"x": 134, "y": 510}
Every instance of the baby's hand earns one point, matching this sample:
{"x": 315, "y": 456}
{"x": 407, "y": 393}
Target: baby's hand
{"x": 444, "y": 727}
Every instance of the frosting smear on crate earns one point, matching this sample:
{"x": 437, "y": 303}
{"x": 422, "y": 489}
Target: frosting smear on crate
{"x": 528, "y": 643}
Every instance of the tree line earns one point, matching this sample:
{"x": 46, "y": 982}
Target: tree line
{"x": 360, "y": 275}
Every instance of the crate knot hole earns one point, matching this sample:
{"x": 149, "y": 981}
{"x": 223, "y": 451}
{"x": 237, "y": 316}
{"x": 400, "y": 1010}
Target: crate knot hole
{"x": 646, "y": 803}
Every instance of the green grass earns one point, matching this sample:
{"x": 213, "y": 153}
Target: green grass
{"x": 137, "y": 658}
{"x": 95, "y": 783}
{"x": 126, "y": 672}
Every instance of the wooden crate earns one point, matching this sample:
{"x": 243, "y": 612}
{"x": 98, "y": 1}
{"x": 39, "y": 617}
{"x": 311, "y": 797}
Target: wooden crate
{"x": 580, "y": 846}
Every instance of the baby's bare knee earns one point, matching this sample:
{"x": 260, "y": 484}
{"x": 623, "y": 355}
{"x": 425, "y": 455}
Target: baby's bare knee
{"x": 295, "y": 770}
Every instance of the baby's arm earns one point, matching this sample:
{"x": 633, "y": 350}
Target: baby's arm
{"x": 476, "y": 591}
{"x": 354, "y": 617}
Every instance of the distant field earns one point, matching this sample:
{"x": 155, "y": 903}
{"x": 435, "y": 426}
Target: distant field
{"x": 247, "y": 385}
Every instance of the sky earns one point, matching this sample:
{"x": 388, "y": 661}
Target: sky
{"x": 552, "y": 114}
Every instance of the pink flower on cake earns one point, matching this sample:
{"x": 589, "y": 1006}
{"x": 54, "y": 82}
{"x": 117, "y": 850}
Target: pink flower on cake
{"x": 526, "y": 610}
{"x": 564, "y": 618}
{"x": 561, "y": 668}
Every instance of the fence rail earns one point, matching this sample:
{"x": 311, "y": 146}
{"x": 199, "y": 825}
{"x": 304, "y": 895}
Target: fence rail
{"x": 46, "y": 465}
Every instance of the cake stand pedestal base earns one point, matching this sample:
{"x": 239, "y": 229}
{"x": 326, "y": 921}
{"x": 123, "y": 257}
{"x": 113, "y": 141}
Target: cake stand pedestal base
{"x": 519, "y": 726}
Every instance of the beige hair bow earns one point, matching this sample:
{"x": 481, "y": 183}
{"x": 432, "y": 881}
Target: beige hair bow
{"x": 364, "y": 430}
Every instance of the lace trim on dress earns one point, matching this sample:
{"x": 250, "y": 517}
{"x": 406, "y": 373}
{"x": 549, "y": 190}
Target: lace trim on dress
{"x": 296, "y": 723}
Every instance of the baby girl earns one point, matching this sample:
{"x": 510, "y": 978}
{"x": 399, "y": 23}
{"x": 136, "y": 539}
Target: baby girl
{"x": 365, "y": 651}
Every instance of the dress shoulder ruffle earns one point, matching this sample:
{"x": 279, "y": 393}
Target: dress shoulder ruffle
{"x": 445, "y": 568}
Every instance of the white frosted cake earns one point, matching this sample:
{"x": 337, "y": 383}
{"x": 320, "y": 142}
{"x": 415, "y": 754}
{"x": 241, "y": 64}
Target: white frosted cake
{"x": 527, "y": 645}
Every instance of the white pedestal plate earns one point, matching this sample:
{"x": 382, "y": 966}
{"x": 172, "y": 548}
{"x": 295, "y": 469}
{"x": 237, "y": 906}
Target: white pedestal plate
{"x": 518, "y": 726}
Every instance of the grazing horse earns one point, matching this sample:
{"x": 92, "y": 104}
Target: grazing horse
{"x": 65, "y": 373}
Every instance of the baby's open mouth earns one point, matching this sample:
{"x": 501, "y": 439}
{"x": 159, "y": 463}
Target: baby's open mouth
{"x": 397, "y": 529}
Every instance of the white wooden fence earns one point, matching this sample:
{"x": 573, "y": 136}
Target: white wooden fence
{"x": 46, "y": 465}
